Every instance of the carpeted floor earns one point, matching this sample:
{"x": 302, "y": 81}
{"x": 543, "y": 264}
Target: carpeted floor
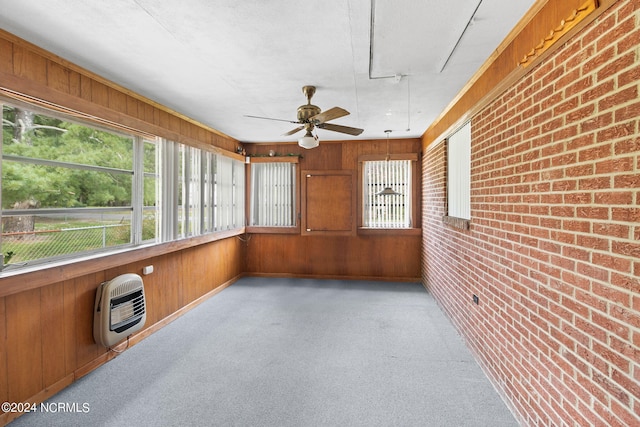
{"x": 291, "y": 352}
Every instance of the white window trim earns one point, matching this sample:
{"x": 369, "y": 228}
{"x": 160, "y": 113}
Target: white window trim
{"x": 459, "y": 173}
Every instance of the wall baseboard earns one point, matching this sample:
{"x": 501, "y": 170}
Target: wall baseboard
{"x": 336, "y": 277}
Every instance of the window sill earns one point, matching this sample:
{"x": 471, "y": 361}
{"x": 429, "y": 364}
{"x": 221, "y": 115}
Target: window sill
{"x": 273, "y": 230}
{"x": 14, "y": 281}
{"x": 364, "y": 231}
{"x": 461, "y": 223}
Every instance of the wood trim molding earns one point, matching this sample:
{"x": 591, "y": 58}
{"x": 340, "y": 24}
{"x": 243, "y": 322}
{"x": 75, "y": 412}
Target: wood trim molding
{"x": 12, "y": 282}
{"x": 47, "y": 98}
{"x": 577, "y": 15}
{"x": 502, "y": 69}
{"x": 273, "y": 159}
{"x": 399, "y": 156}
{"x": 43, "y": 395}
{"x": 71, "y": 66}
{"x": 363, "y": 231}
{"x": 274, "y": 230}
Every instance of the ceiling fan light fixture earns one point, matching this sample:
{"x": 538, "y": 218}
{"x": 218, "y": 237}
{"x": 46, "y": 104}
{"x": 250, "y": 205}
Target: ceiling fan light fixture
{"x": 310, "y": 116}
{"x": 388, "y": 191}
{"x": 308, "y": 141}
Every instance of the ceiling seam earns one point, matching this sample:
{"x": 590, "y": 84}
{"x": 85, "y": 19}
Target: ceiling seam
{"x": 466, "y": 27}
{"x": 154, "y": 18}
{"x": 371, "y": 48}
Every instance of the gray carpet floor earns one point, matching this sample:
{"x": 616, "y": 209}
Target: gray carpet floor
{"x": 292, "y": 352}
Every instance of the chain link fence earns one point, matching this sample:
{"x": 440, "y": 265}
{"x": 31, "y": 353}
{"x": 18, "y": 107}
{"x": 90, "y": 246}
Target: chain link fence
{"x": 55, "y": 236}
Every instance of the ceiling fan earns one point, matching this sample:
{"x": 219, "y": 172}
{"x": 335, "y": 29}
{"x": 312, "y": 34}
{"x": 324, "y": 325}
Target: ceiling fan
{"x": 310, "y": 116}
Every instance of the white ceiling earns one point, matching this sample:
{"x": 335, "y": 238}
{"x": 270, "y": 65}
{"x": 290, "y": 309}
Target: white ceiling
{"x": 394, "y": 64}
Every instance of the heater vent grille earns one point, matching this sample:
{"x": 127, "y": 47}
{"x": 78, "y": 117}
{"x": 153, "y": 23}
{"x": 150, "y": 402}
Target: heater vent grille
{"x": 120, "y": 309}
{"x": 126, "y": 287}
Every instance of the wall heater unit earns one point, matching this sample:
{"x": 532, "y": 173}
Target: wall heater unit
{"x": 120, "y": 309}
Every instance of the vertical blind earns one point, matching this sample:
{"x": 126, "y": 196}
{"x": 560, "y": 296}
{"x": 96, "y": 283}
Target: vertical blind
{"x": 387, "y": 211}
{"x": 273, "y": 194}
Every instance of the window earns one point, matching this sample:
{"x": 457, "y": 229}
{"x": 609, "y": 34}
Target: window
{"x": 382, "y": 210}
{"x": 202, "y": 192}
{"x": 239, "y": 191}
{"x": 273, "y": 190}
{"x": 71, "y": 188}
{"x": 208, "y": 191}
{"x": 459, "y": 174}
{"x": 190, "y": 191}
{"x": 150, "y": 190}
{"x": 229, "y": 193}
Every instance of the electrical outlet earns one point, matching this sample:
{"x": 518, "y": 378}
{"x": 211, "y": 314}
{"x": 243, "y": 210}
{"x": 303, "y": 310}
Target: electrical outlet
{"x": 476, "y": 299}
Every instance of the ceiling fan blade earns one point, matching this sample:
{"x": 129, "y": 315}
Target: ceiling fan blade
{"x": 269, "y": 118}
{"x": 330, "y": 114}
{"x": 340, "y": 128}
{"x": 292, "y": 131}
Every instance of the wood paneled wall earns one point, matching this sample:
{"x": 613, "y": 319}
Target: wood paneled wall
{"x": 393, "y": 255}
{"x": 359, "y": 257}
{"x": 46, "y": 316}
{"x": 46, "y": 333}
{"x": 32, "y": 71}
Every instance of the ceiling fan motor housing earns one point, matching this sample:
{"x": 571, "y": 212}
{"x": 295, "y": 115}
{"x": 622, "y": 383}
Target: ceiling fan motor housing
{"x": 311, "y": 116}
{"x": 305, "y": 112}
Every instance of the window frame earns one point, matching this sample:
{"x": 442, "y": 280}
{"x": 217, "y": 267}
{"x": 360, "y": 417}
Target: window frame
{"x": 415, "y": 220}
{"x": 458, "y": 177}
{"x": 295, "y": 229}
{"x": 208, "y": 181}
{"x": 166, "y": 185}
{"x": 135, "y": 206}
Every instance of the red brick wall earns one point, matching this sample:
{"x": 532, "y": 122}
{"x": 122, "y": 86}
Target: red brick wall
{"x": 553, "y": 250}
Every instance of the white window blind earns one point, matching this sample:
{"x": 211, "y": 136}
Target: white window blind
{"x": 387, "y": 211}
{"x": 273, "y": 194}
{"x": 459, "y": 173}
